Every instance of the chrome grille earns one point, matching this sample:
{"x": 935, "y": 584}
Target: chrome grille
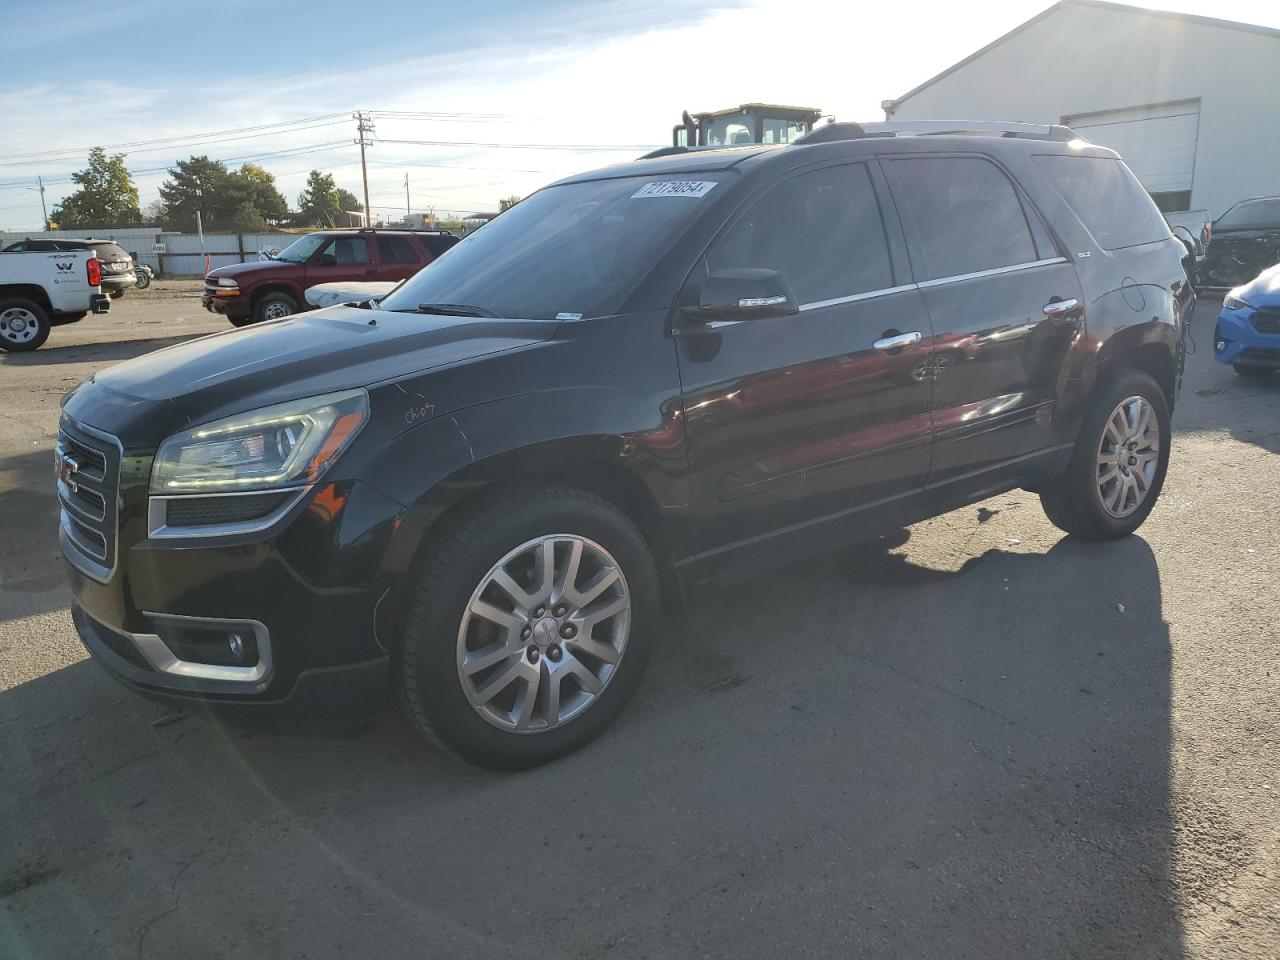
{"x": 87, "y": 465}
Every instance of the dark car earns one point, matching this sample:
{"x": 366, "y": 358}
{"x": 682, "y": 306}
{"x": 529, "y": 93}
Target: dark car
{"x": 482, "y": 494}
{"x": 117, "y": 266}
{"x": 1246, "y": 240}
{"x": 274, "y": 288}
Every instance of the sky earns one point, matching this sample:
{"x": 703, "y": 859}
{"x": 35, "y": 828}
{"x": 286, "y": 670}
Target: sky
{"x": 507, "y": 95}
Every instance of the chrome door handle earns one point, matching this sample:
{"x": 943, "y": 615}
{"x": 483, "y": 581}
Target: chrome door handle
{"x": 1061, "y": 308}
{"x": 901, "y": 340}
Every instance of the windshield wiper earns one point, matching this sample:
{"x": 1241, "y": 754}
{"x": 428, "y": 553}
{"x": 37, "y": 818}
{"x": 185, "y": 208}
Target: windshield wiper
{"x": 457, "y": 310}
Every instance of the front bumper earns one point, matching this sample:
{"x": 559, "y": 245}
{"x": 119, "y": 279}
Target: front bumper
{"x": 1237, "y": 341}
{"x": 335, "y": 697}
{"x": 235, "y": 305}
{"x": 305, "y": 595}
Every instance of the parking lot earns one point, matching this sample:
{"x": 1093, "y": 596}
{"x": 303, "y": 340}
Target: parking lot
{"x": 976, "y": 738}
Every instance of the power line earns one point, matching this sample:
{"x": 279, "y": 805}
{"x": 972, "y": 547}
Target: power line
{"x": 45, "y": 154}
{"x": 615, "y": 147}
{"x": 184, "y": 146}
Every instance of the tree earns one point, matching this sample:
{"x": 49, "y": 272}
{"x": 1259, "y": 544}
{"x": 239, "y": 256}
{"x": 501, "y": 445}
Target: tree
{"x": 506, "y": 203}
{"x": 198, "y": 184}
{"x": 257, "y": 188}
{"x": 243, "y": 201}
{"x": 319, "y": 202}
{"x": 156, "y": 212}
{"x": 107, "y": 196}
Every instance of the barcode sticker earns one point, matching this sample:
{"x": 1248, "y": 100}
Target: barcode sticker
{"x": 674, "y": 188}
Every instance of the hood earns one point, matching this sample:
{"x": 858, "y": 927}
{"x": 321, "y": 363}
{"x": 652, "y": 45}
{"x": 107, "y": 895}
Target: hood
{"x": 331, "y": 294}
{"x": 143, "y": 399}
{"x": 252, "y": 266}
{"x": 1263, "y": 290}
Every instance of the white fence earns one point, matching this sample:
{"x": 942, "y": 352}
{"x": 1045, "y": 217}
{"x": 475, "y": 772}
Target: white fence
{"x": 182, "y": 255}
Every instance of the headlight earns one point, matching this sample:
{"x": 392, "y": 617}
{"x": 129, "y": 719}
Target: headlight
{"x": 227, "y": 283}
{"x": 287, "y": 444}
{"x": 1232, "y": 302}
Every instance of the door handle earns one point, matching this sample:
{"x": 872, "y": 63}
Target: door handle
{"x": 1057, "y": 309}
{"x": 898, "y": 341}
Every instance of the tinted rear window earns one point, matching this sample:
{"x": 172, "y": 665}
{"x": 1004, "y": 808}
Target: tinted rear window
{"x": 109, "y": 251}
{"x": 1107, "y": 198}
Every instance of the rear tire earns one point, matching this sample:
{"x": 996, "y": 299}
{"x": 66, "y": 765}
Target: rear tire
{"x": 273, "y": 306}
{"x": 1118, "y": 466}
{"x": 24, "y": 325}
{"x": 117, "y": 294}
{"x": 143, "y": 281}
{"x": 442, "y": 689}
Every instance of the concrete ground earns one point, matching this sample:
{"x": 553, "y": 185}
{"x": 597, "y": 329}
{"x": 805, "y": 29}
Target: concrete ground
{"x": 975, "y": 739}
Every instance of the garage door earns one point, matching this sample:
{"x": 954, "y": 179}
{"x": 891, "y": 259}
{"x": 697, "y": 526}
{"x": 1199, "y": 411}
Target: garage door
{"x": 1158, "y": 143}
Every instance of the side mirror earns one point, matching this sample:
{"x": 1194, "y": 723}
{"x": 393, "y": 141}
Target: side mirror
{"x": 328, "y": 260}
{"x": 744, "y": 293}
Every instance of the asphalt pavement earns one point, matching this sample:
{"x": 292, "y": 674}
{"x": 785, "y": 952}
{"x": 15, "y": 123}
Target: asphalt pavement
{"x": 975, "y": 738}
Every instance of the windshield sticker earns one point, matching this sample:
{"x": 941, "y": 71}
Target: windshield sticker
{"x": 674, "y": 188}
{"x": 568, "y": 316}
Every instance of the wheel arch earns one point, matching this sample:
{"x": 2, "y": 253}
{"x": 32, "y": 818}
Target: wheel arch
{"x": 28, "y": 291}
{"x": 587, "y": 463}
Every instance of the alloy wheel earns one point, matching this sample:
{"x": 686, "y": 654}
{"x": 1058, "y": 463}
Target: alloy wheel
{"x": 1128, "y": 455}
{"x": 544, "y": 633}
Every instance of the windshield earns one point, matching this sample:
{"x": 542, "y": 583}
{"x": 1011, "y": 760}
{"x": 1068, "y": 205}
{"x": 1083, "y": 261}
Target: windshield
{"x": 1252, "y": 215}
{"x": 301, "y": 249}
{"x": 566, "y": 252}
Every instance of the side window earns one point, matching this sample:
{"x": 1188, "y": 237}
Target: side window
{"x": 965, "y": 213}
{"x": 822, "y": 230}
{"x": 1107, "y": 198}
{"x": 396, "y": 250}
{"x": 349, "y": 250}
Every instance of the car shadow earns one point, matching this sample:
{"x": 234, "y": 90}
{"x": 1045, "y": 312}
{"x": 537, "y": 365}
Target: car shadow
{"x": 31, "y": 575}
{"x": 109, "y": 351}
{"x": 860, "y": 755}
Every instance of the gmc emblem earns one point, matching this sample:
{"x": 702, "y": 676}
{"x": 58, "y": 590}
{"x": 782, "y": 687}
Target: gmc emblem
{"x": 65, "y": 470}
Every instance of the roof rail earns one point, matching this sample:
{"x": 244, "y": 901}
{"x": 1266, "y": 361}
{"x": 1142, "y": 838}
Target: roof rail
{"x": 939, "y": 128}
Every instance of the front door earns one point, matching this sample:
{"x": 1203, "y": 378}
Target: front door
{"x": 1004, "y": 305}
{"x": 796, "y": 420}
{"x": 342, "y": 259}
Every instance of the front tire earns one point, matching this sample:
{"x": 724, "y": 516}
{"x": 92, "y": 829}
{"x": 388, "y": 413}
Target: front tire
{"x": 143, "y": 281}
{"x": 274, "y": 306}
{"x": 529, "y": 629}
{"x": 1118, "y": 466}
{"x": 24, "y": 325}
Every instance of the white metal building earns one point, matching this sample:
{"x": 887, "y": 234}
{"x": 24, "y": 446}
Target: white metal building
{"x": 1191, "y": 103}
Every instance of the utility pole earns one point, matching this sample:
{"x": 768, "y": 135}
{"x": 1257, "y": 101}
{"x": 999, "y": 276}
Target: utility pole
{"x": 44, "y": 211}
{"x": 364, "y": 126}
{"x": 407, "y": 213}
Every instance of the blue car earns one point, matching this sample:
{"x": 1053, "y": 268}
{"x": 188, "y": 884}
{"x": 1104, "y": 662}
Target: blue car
{"x": 1248, "y": 333}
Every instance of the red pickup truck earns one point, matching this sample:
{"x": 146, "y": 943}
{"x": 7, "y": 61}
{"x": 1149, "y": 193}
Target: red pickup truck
{"x": 269, "y": 289}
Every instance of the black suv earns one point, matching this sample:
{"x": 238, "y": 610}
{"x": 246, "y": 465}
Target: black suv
{"x": 483, "y": 493}
{"x": 118, "y": 273}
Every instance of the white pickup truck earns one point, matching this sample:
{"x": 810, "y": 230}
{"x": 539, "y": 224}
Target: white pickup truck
{"x": 41, "y": 289}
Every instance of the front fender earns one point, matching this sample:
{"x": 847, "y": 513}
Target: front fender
{"x": 433, "y": 466}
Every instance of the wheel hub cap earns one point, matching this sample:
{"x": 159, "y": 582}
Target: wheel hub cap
{"x": 1128, "y": 455}
{"x": 17, "y": 325}
{"x": 544, "y": 633}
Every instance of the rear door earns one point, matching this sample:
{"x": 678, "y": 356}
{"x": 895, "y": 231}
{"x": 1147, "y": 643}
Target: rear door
{"x": 398, "y": 257}
{"x": 795, "y": 419}
{"x": 1005, "y": 307}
